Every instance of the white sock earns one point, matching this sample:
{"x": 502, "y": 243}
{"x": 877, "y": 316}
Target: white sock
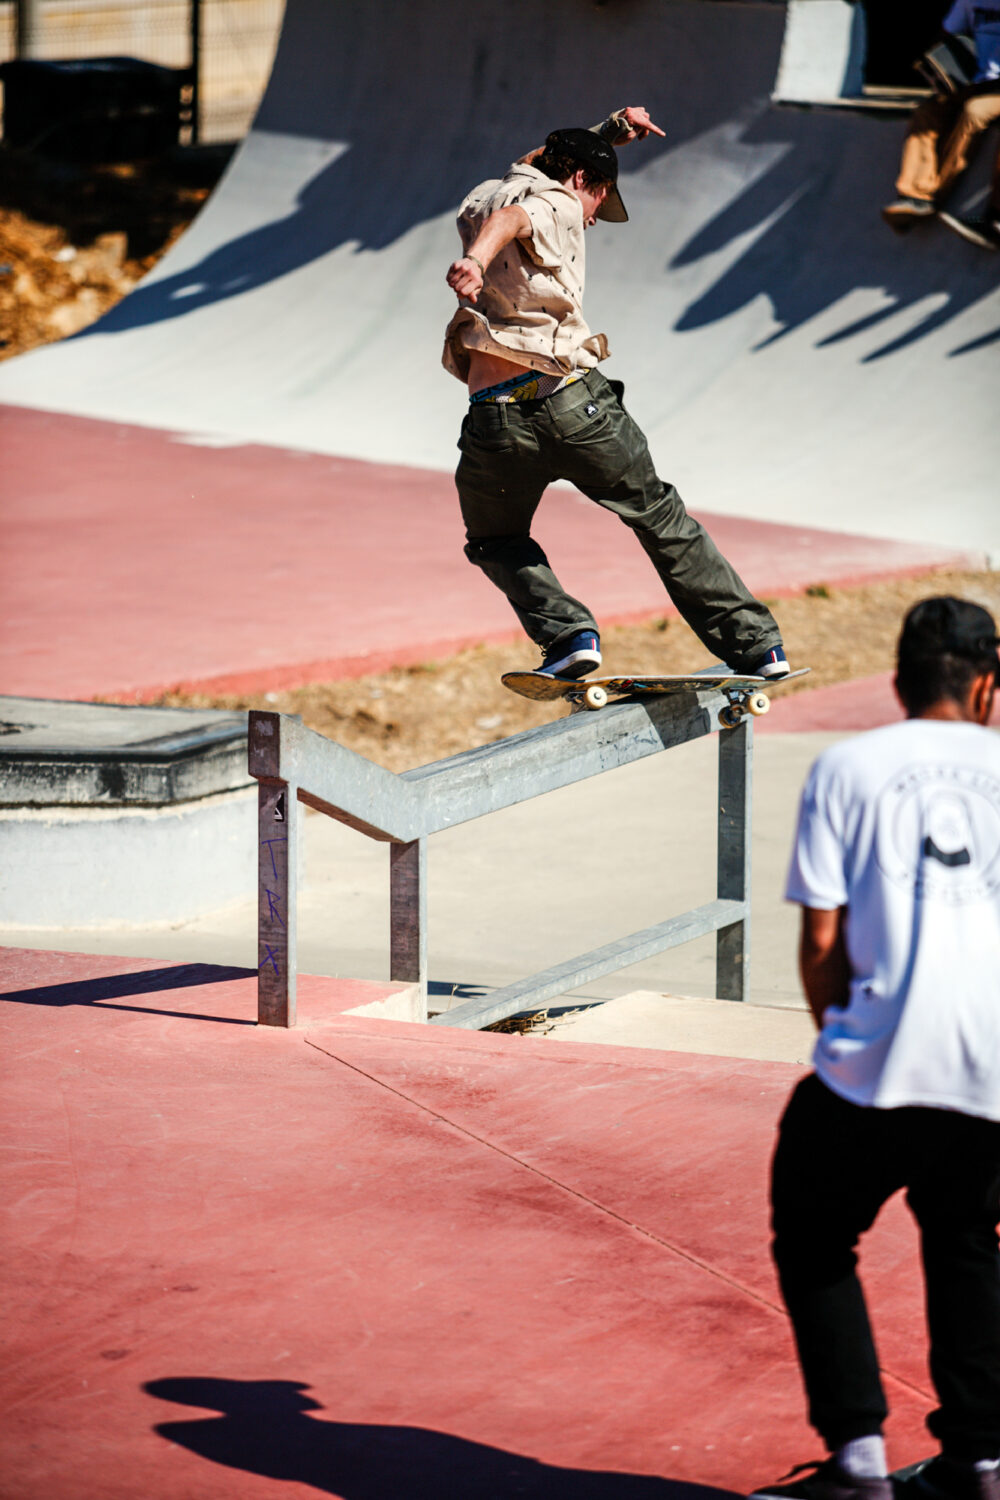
{"x": 864, "y": 1457}
{"x": 986, "y": 1465}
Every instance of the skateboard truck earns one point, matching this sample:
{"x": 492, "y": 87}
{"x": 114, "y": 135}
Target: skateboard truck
{"x": 741, "y": 703}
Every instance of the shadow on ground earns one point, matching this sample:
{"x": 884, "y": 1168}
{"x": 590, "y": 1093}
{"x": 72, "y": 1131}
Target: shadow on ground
{"x": 265, "y": 1428}
{"x": 110, "y": 987}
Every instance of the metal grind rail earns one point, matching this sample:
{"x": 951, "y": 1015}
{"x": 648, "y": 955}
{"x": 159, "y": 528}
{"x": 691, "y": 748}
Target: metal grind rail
{"x": 293, "y": 764}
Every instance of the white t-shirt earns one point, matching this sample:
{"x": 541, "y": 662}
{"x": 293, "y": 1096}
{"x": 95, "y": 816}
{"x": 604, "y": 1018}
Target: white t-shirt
{"x": 902, "y": 826}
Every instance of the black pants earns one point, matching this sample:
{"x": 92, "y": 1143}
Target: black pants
{"x": 583, "y": 433}
{"x": 835, "y": 1165}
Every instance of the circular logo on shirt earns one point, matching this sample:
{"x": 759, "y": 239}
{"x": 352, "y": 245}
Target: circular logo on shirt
{"x": 939, "y": 833}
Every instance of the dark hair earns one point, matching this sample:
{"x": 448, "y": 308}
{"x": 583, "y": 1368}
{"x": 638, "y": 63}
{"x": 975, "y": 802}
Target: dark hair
{"x": 559, "y": 166}
{"x": 945, "y": 644}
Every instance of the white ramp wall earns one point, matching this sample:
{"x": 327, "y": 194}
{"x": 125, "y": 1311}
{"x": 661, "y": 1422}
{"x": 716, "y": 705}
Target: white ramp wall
{"x": 789, "y": 357}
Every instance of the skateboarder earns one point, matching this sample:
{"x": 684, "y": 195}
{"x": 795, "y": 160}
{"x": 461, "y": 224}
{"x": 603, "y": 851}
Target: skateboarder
{"x": 540, "y": 410}
{"x": 897, "y": 869}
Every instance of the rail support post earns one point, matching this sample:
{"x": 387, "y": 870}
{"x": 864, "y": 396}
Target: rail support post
{"x": 408, "y": 915}
{"x": 277, "y": 863}
{"x": 732, "y": 944}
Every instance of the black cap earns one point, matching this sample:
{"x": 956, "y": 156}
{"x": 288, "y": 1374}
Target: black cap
{"x": 593, "y": 151}
{"x": 944, "y": 626}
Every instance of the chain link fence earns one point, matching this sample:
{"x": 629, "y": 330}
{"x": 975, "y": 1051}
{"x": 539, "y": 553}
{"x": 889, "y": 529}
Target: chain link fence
{"x": 238, "y": 40}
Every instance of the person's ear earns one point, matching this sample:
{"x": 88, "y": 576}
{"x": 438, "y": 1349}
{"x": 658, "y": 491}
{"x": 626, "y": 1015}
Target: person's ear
{"x": 981, "y": 697}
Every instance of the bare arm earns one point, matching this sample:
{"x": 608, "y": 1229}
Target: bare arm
{"x": 823, "y": 961}
{"x": 629, "y": 124}
{"x": 466, "y": 275}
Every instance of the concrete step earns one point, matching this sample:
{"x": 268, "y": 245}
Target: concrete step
{"x": 682, "y": 1023}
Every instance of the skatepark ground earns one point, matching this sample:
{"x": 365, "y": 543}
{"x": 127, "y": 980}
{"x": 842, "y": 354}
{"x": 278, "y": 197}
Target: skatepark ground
{"x": 367, "y": 1258}
{"x": 362, "y": 1260}
{"x": 363, "y": 1257}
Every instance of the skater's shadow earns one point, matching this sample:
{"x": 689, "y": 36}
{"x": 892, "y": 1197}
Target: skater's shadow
{"x": 316, "y": 224}
{"x": 811, "y": 235}
{"x": 266, "y": 1428}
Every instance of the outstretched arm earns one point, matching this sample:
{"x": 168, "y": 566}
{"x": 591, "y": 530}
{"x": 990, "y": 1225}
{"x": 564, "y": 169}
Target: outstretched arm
{"x": 466, "y": 275}
{"x": 629, "y": 124}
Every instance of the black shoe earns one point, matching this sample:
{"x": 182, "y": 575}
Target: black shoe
{"x": 947, "y": 1479}
{"x": 828, "y": 1481}
{"x": 905, "y": 212}
{"x": 983, "y": 232}
{"x": 573, "y": 658}
{"x": 773, "y": 664}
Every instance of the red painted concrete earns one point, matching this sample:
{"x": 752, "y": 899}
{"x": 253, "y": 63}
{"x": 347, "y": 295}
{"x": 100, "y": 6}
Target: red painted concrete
{"x": 865, "y": 703}
{"x": 366, "y": 1259}
{"x": 133, "y": 561}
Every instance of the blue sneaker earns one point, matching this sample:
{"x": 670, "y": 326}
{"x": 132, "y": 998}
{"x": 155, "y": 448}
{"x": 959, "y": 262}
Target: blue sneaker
{"x": 774, "y": 664}
{"x": 573, "y": 658}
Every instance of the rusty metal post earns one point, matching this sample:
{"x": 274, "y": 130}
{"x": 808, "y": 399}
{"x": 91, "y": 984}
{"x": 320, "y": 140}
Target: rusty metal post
{"x": 277, "y": 864}
{"x": 408, "y": 915}
{"x": 195, "y": 70}
{"x": 732, "y": 943}
{"x": 28, "y": 24}
{"x": 277, "y": 822}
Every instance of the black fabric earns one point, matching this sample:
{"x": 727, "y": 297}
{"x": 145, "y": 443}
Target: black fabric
{"x": 835, "y": 1165}
{"x": 583, "y": 433}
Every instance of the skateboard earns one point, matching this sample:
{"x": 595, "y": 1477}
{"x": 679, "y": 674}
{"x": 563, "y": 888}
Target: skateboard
{"x": 746, "y": 695}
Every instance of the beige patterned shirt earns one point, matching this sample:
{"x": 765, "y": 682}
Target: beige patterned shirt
{"x": 531, "y": 307}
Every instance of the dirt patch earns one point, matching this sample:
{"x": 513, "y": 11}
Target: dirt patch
{"x": 413, "y": 715}
{"x": 74, "y": 240}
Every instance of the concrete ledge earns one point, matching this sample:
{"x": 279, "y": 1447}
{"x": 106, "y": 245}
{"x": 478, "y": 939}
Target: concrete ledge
{"x": 113, "y": 815}
{"x": 116, "y": 866}
{"x": 77, "y": 754}
{"x": 678, "y": 1023}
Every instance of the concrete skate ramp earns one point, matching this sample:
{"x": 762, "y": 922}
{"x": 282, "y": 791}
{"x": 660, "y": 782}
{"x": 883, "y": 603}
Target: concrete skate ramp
{"x": 789, "y": 357}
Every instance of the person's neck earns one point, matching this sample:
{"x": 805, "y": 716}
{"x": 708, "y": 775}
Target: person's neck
{"x": 947, "y": 709}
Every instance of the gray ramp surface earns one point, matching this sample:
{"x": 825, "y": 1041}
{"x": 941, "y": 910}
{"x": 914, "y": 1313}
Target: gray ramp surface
{"x": 789, "y": 357}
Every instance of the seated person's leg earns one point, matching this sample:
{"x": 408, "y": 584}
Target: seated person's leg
{"x": 919, "y": 177}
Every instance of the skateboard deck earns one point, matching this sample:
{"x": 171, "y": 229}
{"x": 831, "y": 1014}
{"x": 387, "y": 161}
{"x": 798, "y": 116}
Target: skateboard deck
{"x": 747, "y": 695}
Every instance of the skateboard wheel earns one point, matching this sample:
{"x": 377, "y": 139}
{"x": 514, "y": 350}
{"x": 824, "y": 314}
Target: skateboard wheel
{"x": 595, "y": 697}
{"x": 758, "y": 703}
{"x": 729, "y": 717}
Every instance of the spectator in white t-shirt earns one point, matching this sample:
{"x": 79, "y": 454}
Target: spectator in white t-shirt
{"x": 897, "y": 869}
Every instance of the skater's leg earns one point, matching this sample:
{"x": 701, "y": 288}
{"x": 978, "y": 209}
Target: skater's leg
{"x": 605, "y": 454}
{"x": 500, "y": 480}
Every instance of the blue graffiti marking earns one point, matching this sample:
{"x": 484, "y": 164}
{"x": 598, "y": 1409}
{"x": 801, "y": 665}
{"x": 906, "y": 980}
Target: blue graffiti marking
{"x": 267, "y": 844}
{"x": 273, "y": 907}
{"x": 270, "y": 959}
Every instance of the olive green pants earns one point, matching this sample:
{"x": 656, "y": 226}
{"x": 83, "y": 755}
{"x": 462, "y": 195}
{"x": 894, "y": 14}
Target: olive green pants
{"x": 583, "y": 433}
